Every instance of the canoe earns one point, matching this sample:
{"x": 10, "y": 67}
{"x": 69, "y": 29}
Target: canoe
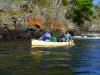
{"x": 40, "y": 43}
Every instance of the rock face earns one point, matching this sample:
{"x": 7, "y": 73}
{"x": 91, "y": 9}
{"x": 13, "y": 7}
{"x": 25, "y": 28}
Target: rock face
{"x": 23, "y": 10}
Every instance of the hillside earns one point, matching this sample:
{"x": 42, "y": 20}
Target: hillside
{"x": 48, "y": 14}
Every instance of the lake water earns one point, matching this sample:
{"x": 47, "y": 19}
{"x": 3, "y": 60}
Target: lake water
{"x": 18, "y": 58}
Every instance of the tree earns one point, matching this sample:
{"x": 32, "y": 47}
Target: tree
{"x": 82, "y": 10}
{"x": 97, "y": 9}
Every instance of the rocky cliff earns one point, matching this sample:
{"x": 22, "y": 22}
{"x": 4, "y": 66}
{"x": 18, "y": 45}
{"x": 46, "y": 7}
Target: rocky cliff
{"x": 49, "y": 12}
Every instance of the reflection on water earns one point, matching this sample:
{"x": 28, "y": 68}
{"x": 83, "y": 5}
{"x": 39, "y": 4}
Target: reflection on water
{"x": 86, "y": 58}
{"x": 17, "y": 58}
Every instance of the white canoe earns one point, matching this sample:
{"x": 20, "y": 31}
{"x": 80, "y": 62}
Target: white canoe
{"x": 40, "y": 43}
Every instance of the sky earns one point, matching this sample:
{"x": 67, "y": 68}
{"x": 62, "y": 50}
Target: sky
{"x": 96, "y": 1}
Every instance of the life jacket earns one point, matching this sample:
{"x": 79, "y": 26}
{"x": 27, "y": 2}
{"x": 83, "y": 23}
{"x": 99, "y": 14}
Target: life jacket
{"x": 46, "y": 37}
{"x": 53, "y": 39}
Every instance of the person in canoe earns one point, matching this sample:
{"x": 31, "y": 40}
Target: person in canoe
{"x": 66, "y": 37}
{"x": 53, "y": 38}
{"x": 46, "y": 36}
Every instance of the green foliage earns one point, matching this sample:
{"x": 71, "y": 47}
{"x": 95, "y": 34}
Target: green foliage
{"x": 85, "y": 27}
{"x": 82, "y": 11}
{"x": 17, "y": 0}
{"x": 65, "y": 2}
{"x": 42, "y": 3}
{"x": 11, "y": 12}
{"x": 3, "y": 15}
{"x": 97, "y": 8}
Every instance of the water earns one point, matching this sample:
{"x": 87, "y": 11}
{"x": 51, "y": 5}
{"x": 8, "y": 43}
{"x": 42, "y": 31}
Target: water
{"x": 86, "y": 57}
{"x": 18, "y": 58}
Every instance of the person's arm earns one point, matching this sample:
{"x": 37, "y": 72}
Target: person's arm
{"x": 70, "y": 37}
